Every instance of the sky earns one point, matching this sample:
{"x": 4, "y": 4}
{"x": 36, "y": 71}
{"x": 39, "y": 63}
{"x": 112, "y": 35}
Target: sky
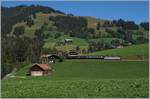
{"x": 137, "y": 11}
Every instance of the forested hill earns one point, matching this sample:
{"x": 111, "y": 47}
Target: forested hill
{"x": 11, "y": 16}
{"x": 29, "y": 31}
{"x": 16, "y": 50}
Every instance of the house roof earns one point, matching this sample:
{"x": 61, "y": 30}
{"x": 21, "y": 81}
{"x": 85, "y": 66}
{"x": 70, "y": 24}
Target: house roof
{"x": 68, "y": 39}
{"x": 44, "y": 66}
{"x": 50, "y": 55}
{"x": 44, "y": 55}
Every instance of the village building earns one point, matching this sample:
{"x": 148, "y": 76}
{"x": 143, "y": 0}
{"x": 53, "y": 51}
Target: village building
{"x": 68, "y": 41}
{"x": 48, "y": 58}
{"x": 40, "y": 70}
{"x": 113, "y": 46}
{"x": 129, "y": 43}
{"x": 120, "y": 46}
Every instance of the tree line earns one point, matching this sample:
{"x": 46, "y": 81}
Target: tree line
{"x": 74, "y": 26}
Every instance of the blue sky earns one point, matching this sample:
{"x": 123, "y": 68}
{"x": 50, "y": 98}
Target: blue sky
{"x": 137, "y": 11}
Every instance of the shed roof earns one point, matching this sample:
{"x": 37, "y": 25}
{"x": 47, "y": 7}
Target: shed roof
{"x": 44, "y": 66}
{"x": 50, "y": 55}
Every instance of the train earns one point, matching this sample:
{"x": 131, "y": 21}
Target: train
{"x": 95, "y": 57}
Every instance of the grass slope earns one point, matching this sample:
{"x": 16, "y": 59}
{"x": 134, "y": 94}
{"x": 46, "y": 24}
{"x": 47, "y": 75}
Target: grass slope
{"x": 52, "y": 30}
{"x": 107, "y": 40}
{"x": 45, "y": 88}
{"x": 38, "y": 22}
{"x": 93, "y": 69}
{"x": 78, "y": 78}
{"x": 50, "y": 42}
{"x": 134, "y": 50}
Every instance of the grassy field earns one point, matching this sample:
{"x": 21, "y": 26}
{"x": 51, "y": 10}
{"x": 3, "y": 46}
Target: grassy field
{"x": 82, "y": 78}
{"x": 135, "y": 50}
{"x": 93, "y": 69}
{"x": 45, "y": 88}
{"x": 50, "y": 42}
{"x": 107, "y": 40}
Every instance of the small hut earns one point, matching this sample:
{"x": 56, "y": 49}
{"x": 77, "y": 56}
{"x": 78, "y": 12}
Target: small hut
{"x": 120, "y": 46}
{"x": 68, "y": 41}
{"x": 40, "y": 70}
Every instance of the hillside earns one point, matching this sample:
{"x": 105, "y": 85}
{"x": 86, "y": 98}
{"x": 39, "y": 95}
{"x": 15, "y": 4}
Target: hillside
{"x": 130, "y": 51}
{"x": 52, "y": 30}
{"x": 93, "y": 69}
{"x": 92, "y": 23}
{"x": 40, "y": 19}
{"x": 29, "y": 32}
{"x": 37, "y": 30}
{"x": 78, "y": 78}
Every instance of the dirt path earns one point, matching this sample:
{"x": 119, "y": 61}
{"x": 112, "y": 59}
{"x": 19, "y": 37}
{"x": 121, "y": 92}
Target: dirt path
{"x": 17, "y": 76}
{"x": 10, "y": 74}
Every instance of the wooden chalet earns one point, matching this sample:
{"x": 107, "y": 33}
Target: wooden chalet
{"x": 120, "y": 46}
{"x": 48, "y": 58}
{"x": 40, "y": 70}
{"x": 68, "y": 40}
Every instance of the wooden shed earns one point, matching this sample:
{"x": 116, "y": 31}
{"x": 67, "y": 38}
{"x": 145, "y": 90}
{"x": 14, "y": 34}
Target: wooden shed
{"x": 40, "y": 70}
{"x": 48, "y": 58}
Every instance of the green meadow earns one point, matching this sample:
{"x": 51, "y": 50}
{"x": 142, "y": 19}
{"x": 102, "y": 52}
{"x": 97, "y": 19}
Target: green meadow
{"x": 78, "y": 78}
{"x": 82, "y": 78}
{"x": 134, "y": 50}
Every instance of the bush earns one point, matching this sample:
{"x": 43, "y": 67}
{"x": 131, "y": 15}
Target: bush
{"x": 19, "y": 30}
{"x": 57, "y": 35}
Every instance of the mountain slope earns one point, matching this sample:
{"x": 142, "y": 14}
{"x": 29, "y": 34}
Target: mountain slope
{"x": 130, "y": 51}
{"x": 81, "y": 36}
